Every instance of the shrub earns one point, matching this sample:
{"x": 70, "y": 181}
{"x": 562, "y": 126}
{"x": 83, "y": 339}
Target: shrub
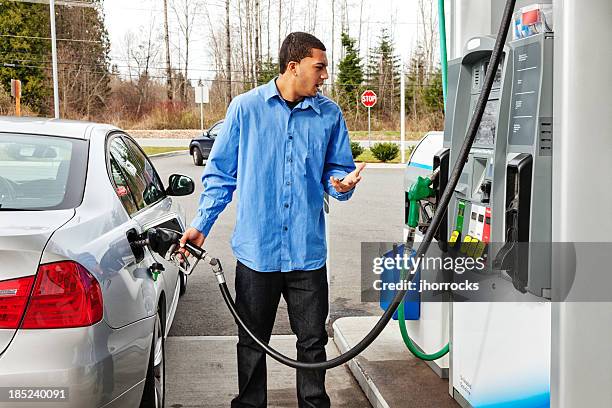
{"x": 356, "y": 149}
{"x": 385, "y": 151}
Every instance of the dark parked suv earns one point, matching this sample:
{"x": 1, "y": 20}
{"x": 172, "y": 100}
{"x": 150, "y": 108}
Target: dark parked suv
{"x": 199, "y": 148}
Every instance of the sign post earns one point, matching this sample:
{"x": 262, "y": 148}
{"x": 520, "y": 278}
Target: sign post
{"x": 369, "y": 99}
{"x": 16, "y": 93}
{"x": 201, "y": 97}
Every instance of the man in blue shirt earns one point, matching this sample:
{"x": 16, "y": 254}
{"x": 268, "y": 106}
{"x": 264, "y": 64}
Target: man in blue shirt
{"x": 282, "y": 146}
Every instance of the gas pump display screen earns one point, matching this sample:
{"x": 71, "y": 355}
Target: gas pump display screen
{"x": 488, "y": 125}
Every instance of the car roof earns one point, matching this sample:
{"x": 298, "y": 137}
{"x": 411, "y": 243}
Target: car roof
{"x": 51, "y": 127}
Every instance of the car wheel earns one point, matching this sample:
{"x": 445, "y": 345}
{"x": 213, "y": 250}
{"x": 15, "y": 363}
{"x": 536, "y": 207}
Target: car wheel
{"x": 183, "y": 282}
{"x": 197, "y": 156}
{"x": 154, "y": 394}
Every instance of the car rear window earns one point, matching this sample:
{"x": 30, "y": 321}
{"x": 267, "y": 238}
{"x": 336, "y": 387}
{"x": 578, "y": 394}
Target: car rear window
{"x": 41, "y": 172}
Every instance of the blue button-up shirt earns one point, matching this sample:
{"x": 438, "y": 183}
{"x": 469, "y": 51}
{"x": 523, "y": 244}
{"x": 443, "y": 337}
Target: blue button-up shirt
{"x": 280, "y": 161}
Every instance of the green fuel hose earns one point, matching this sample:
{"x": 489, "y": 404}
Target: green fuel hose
{"x": 400, "y": 312}
{"x": 408, "y": 341}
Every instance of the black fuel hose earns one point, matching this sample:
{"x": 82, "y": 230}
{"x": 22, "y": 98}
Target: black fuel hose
{"x": 435, "y": 222}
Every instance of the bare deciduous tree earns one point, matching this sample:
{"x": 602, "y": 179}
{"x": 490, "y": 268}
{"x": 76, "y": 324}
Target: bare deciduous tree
{"x": 428, "y": 24}
{"x": 257, "y": 39}
{"x": 268, "y": 56}
{"x": 167, "y": 41}
{"x": 185, "y": 11}
{"x": 242, "y": 41}
{"x": 142, "y": 53}
{"x": 228, "y": 53}
{"x": 360, "y": 24}
{"x": 280, "y": 18}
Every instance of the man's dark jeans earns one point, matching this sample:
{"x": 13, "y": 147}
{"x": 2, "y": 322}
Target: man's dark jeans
{"x": 257, "y": 297}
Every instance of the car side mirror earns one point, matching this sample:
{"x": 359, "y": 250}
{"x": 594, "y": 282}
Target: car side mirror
{"x": 179, "y": 185}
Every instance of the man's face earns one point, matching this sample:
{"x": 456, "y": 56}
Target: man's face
{"x": 311, "y": 73}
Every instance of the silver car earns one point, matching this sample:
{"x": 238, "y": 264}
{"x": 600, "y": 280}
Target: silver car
{"x": 84, "y": 311}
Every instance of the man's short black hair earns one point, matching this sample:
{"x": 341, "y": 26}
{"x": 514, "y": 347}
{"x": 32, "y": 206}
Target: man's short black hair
{"x": 296, "y": 47}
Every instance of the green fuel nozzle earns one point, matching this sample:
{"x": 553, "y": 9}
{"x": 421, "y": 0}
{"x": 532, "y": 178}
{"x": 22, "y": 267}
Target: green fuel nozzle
{"x": 419, "y": 190}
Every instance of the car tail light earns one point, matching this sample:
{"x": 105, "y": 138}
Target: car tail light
{"x": 65, "y": 295}
{"x": 14, "y": 296}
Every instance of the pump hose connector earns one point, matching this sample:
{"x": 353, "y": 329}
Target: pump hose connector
{"x": 217, "y": 269}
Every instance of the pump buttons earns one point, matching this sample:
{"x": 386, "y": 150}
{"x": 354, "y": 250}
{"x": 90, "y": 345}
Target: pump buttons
{"x": 454, "y": 238}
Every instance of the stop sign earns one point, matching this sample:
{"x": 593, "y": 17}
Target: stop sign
{"x": 368, "y": 98}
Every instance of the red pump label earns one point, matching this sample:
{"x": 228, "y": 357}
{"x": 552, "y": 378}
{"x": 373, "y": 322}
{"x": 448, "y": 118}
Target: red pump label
{"x": 486, "y": 232}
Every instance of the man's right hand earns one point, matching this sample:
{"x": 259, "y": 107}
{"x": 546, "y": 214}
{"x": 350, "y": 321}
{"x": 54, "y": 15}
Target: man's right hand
{"x": 193, "y": 235}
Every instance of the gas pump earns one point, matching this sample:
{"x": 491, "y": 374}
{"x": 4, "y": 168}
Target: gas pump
{"x": 501, "y": 204}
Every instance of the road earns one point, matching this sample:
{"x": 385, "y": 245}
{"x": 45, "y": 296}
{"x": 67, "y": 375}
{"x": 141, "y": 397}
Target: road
{"x": 374, "y": 213}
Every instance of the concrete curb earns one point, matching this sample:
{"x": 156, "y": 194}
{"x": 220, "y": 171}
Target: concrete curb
{"x": 365, "y": 382}
{"x": 169, "y": 154}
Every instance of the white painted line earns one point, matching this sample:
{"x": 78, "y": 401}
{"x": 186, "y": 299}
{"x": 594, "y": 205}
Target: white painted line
{"x": 525, "y": 93}
{"x": 525, "y": 69}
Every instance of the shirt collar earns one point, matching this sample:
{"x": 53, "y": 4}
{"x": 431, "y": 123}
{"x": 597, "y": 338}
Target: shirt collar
{"x": 270, "y": 90}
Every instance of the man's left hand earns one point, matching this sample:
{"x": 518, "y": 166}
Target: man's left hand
{"x": 349, "y": 182}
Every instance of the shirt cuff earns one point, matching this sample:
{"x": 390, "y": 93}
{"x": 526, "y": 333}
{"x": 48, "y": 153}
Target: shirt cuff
{"x": 202, "y": 225}
{"x": 343, "y": 196}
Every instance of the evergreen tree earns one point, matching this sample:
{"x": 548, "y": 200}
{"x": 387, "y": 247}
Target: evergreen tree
{"x": 433, "y": 95}
{"x": 383, "y": 74}
{"x": 350, "y": 74}
{"x": 423, "y": 88}
{"x": 23, "y": 51}
{"x": 415, "y": 79}
{"x": 268, "y": 70}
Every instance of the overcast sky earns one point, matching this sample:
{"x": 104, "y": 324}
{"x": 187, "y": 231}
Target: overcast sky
{"x": 123, "y": 16}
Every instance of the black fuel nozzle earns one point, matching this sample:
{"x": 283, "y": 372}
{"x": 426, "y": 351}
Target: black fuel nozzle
{"x": 159, "y": 240}
{"x": 162, "y": 240}
{"x": 165, "y": 242}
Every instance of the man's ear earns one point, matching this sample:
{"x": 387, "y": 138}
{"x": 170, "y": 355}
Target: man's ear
{"x": 293, "y": 68}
